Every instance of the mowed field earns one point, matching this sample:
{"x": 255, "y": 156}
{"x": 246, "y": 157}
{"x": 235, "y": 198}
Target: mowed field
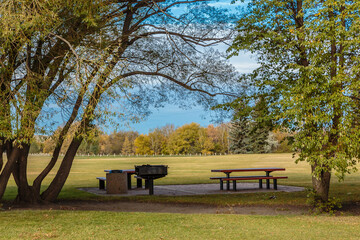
{"x": 182, "y": 170}
{"x": 190, "y": 170}
{"x": 34, "y": 224}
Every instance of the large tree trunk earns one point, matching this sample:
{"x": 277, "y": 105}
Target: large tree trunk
{"x": 52, "y": 192}
{"x": 12, "y": 157}
{"x": 26, "y": 193}
{"x": 16, "y": 165}
{"x": 2, "y": 149}
{"x": 321, "y": 184}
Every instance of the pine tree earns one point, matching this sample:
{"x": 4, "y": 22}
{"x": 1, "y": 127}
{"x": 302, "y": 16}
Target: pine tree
{"x": 250, "y": 128}
{"x": 239, "y": 135}
{"x": 260, "y": 126}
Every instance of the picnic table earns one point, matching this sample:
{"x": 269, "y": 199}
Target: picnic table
{"x": 229, "y": 178}
{"x": 129, "y": 173}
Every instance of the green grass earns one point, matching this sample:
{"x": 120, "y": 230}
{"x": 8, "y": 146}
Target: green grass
{"x": 113, "y": 225}
{"x": 195, "y": 169}
{"x": 183, "y": 170}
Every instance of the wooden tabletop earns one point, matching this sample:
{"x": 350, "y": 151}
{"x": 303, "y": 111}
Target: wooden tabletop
{"x": 248, "y": 170}
{"x": 122, "y": 170}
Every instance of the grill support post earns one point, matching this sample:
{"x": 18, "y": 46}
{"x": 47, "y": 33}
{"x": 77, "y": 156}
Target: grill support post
{"x": 151, "y": 186}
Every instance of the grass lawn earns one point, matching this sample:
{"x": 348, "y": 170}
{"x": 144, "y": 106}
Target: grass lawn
{"x": 183, "y": 170}
{"x": 115, "y": 225}
{"x": 196, "y": 169}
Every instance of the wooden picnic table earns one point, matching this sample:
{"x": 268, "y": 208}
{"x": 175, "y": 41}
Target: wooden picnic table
{"x": 267, "y": 176}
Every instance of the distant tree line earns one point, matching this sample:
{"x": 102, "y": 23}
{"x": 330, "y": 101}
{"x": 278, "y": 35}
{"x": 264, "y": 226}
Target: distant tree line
{"x": 168, "y": 140}
{"x": 187, "y": 139}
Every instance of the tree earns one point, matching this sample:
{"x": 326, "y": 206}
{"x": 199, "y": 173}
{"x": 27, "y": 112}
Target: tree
{"x": 308, "y": 56}
{"x": 166, "y": 131}
{"x": 223, "y": 131}
{"x": 185, "y": 140}
{"x": 206, "y": 144}
{"x": 260, "y": 126}
{"x": 250, "y": 126}
{"x": 116, "y": 140}
{"x": 239, "y": 129}
{"x": 104, "y": 144}
{"x": 142, "y": 145}
{"x": 127, "y": 147}
{"x": 239, "y": 136}
{"x": 36, "y": 145}
{"x": 219, "y": 137}
{"x": 284, "y": 140}
{"x": 157, "y": 141}
{"x": 86, "y": 55}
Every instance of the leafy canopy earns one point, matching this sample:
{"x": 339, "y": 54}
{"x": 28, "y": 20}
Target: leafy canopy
{"x": 308, "y": 51}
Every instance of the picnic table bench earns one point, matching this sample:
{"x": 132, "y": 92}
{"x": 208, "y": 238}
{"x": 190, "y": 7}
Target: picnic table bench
{"x": 266, "y": 177}
{"x": 102, "y": 181}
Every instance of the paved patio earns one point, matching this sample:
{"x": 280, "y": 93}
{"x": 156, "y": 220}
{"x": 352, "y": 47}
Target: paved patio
{"x": 197, "y": 189}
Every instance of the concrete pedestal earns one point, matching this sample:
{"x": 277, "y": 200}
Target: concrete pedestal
{"x": 116, "y": 183}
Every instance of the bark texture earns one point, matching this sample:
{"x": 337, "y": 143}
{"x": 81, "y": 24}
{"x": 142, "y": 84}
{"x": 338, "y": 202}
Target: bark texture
{"x": 321, "y": 185}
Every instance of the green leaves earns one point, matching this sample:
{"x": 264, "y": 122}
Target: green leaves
{"x": 310, "y": 71}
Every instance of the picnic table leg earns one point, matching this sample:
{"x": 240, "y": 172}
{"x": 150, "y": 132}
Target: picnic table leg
{"x": 267, "y": 180}
{"x": 234, "y": 185}
{"x": 101, "y": 184}
{"x": 147, "y": 184}
{"x": 275, "y": 183}
{"x": 227, "y": 182}
{"x": 260, "y": 183}
{"x": 129, "y": 180}
{"x": 221, "y": 184}
{"x": 138, "y": 183}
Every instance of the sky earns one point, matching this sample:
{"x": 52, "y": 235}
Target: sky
{"x": 172, "y": 114}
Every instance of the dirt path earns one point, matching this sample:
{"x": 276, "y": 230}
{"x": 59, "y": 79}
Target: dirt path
{"x": 120, "y": 206}
{"x": 123, "y": 206}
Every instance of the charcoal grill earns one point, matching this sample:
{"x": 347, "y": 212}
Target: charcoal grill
{"x": 149, "y": 173}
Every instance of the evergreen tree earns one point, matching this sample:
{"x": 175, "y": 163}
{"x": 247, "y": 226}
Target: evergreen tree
{"x": 250, "y": 127}
{"x": 239, "y": 135}
{"x": 260, "y": 126}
